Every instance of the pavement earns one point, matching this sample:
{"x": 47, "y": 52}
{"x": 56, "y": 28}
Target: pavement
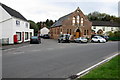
{"x": 53, "y": 60}
{"x": 5, "y": 47}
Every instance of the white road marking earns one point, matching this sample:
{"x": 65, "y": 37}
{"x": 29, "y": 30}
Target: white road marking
{"x": 19, "y": 53}
{"x": 88, "y": 69}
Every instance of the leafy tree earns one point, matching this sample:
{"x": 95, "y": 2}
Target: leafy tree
{"x": 39, "y": 24}
{"x": 97, "y": 16}
{"x": 114, "y": 35}
{"x": 49, "y": 23}
{"x": 33, "y": 26}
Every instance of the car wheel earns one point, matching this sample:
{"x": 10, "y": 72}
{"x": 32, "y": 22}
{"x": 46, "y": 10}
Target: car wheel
{"x": 58, "y": 41}
{"x": 92, "y": 41}
{"x": 98, "y": 41}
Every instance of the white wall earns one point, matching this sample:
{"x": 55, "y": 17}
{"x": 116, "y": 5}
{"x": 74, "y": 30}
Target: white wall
{"x": 9, "y": 27}
{"x": 44, "y": 31}
{"x": 7, "y": 30}
{"x": 106, "y": 28}
{"x": 22, "y": 28}
{"x": 6, "y": 21}
{"x": 5, "y": 16}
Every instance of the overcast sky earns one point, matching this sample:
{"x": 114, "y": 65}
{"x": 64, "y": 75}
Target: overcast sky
{"x": 40, "y": 10}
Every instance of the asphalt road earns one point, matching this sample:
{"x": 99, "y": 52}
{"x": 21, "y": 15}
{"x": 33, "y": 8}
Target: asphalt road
{"x": 53, "y": 60}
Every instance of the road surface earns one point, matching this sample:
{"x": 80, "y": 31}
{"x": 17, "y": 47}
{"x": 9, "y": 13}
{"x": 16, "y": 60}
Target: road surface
{"x": 53, "y": 60}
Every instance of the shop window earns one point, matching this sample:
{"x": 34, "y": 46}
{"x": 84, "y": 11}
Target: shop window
{"x": 26, "y": 35}
{"x": 18, "y": 35}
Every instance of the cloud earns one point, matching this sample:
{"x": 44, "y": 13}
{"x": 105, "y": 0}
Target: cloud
{"x": 40, "y": 10}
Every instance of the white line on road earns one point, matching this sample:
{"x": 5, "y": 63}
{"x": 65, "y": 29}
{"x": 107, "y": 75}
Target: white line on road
{"x": 88, "y": 69}
{"x": 19, "y": 53}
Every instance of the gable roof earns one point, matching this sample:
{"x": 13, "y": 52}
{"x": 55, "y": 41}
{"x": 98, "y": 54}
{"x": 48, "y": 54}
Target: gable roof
{"x": 13, "y": 12}
{"x": 105, "y": 23}
{"x": 60, "y": 20}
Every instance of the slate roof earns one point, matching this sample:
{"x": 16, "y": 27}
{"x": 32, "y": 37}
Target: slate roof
{"x": 60, "y": 20}
{"x": 13, "y": 12}
{"x": 105, "y": 23}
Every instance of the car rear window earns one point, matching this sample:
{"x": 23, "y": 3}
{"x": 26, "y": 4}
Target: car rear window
{"x": 34, "y": 37}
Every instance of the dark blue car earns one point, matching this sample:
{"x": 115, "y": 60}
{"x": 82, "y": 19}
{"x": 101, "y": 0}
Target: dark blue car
{"x": 35, "y": 39}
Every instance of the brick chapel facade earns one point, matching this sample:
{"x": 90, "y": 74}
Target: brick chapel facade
{"x": 75, "y": 24}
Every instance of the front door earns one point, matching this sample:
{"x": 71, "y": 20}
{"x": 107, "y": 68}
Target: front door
{"x": 77, "y": 35}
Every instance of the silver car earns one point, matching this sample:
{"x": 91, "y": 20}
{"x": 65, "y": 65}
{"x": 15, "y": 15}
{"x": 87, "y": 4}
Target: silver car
{"x": 81, "y": 40}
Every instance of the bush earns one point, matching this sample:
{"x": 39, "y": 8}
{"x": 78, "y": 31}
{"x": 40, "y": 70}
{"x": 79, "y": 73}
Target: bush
{"x": 114, "y": 36}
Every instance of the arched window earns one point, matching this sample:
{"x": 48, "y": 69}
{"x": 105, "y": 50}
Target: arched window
{"x": 87, "y": 32}
{"x": 84, "y": 32}
{"x": 81, "y": 21}
{"x": 73, "y": 21}
{"x": 78, "y": 20}
{"x": 70, "y": 31}
{"x": 67, "y": 31}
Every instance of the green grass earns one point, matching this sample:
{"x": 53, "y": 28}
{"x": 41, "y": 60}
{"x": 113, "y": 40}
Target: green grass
{"x": 109, "y": 70}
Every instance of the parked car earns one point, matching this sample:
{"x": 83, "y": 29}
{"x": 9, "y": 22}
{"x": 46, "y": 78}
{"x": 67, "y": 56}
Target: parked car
{"x": 105, "y": 37}
{"x": 64, "y": 38}
{"x": 98, "y": 39}
{"x": 46, "y": 36}
{"x": 81, "y": 40}
{"x": 35, "y": 39}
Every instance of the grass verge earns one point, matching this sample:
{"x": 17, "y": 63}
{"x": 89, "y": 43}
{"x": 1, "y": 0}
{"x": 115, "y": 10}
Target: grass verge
{"x": 109, "y": 70}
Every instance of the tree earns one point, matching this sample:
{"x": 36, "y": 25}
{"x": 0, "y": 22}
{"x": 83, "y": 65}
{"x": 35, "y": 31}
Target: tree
{"x": 39, "y": 24}
{"x": 49, "y": 23}
{"x": 114, "y": 35}
{"x": 97, "y": 16}
{"x": 33, "y": 26}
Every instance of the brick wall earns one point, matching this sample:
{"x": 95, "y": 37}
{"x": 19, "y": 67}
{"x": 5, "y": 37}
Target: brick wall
{"x": 68, "y": 27}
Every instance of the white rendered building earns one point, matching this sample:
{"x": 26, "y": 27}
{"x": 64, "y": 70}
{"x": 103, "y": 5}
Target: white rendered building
{"x": 105, "y": 26}
{"x": 13, "y": 23}
{"x": 44, "y": 30}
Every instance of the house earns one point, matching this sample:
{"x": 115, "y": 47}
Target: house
{"x": 15, "y": 27}
{"x": 75, "y": 24}
{"x": 102, "y": 27}
{"x": 44, "y": 30}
